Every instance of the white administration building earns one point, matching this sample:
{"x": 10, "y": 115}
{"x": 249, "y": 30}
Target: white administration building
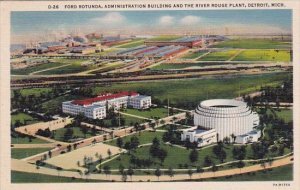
{"x": 226, "y": 116}
{"x": 95, "y": 108}
{"x": 200, "y": 136}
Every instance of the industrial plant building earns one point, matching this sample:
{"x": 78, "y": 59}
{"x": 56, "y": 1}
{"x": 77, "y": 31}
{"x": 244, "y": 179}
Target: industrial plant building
{"x": 227, "y": 117}
{"x": 95, "y": 108}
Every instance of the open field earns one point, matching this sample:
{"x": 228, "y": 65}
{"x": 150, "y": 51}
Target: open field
{"x": 149, "y": 113}
{"x": 263, "y": 55}
{"x": 70, "y": 160}
{"x": 129, "y": 121}
{"x": 193, "y": 55}
{"x": 187, "y": 65}
{"x": 25, "y": 140}
{"x": 23, "y": 118}
{"x": 132, "y": 44}
{"x": 253, "y": 44}
{"x": 34, "y": 91}
{"x": 23, "y": 177}
{"x": 283, "y": 173}
{"x": 285, "y": 114}
{"x": 29, "y": 70}
{"x": 188, "y": 93}
{"x": 219, "y": 55}
{"x": 174, "y": 160}
{"x": 165, "y": 38}
{"x": 75, "y": 67}
{"x": 77, "y": 133}
{"x": 19, "y": 153}
{"x": 144, "y": 137}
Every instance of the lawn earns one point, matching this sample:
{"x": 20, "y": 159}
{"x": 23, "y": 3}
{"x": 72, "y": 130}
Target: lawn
{"x": 29, "y": 70}
{"x": 282, "y": 173}
{"x": 193, "y": 55}
{"x": 77, "y": 133}
{"x": 34, "y": 91}
{"x": 218, "y": 56}
{"x": 144, "y": 137}
{"x": 75, "y": 67}
{"x": 132, "y": 44}
{"x": 188, "y": 93}
{"x": 149, "y": 113}
{"x": 285, "y": 114}
{"x": 24, "y": 177}
{"x": 254, "y": 44}
{"x": 186, "y": 65}
{"x": 264, "y": 55}
{"x": 165, "y": 38}
{"x": 176, "y": 158}
{"x": 25, "y": 140}
{"x": 19, "y": 153}
{"x": 129, "y": 121}
{"x": 25, "y": 119}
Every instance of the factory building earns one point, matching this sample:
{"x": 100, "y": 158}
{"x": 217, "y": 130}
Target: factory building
{"x": 95, "y": 108}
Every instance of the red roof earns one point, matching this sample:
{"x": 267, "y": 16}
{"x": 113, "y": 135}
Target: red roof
{"x": 103, "y": 98}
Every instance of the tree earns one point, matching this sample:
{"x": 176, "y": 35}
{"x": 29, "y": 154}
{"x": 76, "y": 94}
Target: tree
{"x": 121, "y": 169}
{"x": 49, "y": 153}
{"x": 157, "y": 172}
{"x": 214, "y": 168}
{"x": 199, "y": 170}
{"x": 124, "y": 176}
{"x": 120, "y": 142}
{"x": 240, "y": 165}
{"x": 190, "y": 172}
{"x": 109, "y": 153}
{"x": 193, "y": 155}
{"x": 162, "y": 154}
{"x": 68, "y": 134}
{"x": 171, "y": 172}
{"x": 207, "y": 161}
{"x": 130, "y": 172}
{"x": 233, "y": 137}
{"x": 106, "y": 170}
{"x": 84, "y": 131}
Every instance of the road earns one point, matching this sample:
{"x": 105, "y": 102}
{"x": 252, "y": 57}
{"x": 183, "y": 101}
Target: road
{"x": 22, "y": 166}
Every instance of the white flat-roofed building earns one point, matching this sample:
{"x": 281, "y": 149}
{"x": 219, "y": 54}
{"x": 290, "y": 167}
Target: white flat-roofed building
{"x": 90, "y": 111}
{"x": 250, "y": 137}
{"x": 140, "y": 102}
{"x": 200, "y": 136}
{"x": 95, "y": 108}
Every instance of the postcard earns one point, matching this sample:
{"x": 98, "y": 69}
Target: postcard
{"x": 143, "y": 95}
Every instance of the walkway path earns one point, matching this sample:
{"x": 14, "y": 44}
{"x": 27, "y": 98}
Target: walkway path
{"x": 45, "y": 145}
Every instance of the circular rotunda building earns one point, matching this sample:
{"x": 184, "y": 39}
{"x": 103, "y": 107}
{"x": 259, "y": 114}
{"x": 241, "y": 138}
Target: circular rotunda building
{"x": 227, "y": 116}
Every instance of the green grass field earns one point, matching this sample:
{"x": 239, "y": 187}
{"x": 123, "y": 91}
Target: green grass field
{"x": 19, "y": 153}
{"x": 218, "y": 56}
{"x": 149, "y": 113}
{"x": 185, "y": 65}
{"x": 24, "y": 119}
{"x": 188, "y": 93}
{"x": 75, "y": 67}
{"x": 77, "y": 133}
{"x": 144, "y": 137}
{"x": 253, "y": 44}
{"x": 285, "y": 114}
{"x": 24, "y": 177}
{"x": 25, "y": 140}
{"x": 129, "y": 121}
{"x": 178, "y": 157}
{"x": 283, "y": 173}
{"x": 29, "y": 70}
{"x": 34, "y": 91}
{"x": 132, "y": 44}
{"x": 165, "y": 38}
{"x": 263, "y": 55}
{"x": 193, "y": 55}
